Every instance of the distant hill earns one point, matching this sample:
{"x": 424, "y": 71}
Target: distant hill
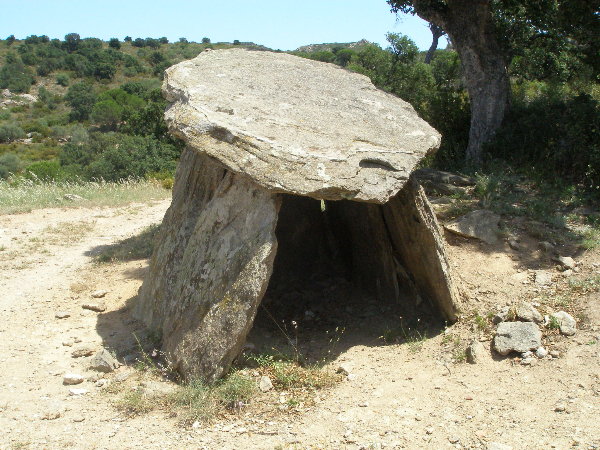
{"x": 312, "y": 48}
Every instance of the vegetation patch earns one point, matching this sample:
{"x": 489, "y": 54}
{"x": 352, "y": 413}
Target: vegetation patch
{"x": 17, "y": 196}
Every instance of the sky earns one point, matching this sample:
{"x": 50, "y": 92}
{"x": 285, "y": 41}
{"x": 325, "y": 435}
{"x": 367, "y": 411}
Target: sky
{"x": 278, "y": 24}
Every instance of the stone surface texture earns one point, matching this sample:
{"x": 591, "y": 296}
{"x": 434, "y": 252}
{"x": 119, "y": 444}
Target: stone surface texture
{"x": 295, "y": 125}
{"x": 480, "y": 224}
{"x": 211, "y": 267}
{"x": 518, "y": 337}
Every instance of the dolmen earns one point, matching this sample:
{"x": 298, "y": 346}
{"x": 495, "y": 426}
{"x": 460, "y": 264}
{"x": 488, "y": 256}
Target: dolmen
{"x": 284, "y": 156}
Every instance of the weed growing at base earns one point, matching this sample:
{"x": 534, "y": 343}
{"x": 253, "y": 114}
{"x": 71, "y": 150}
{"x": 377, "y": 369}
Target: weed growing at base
{"x": 22, "y": 195}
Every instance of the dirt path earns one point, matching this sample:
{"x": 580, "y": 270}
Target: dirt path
{"x": 400, "y": 396}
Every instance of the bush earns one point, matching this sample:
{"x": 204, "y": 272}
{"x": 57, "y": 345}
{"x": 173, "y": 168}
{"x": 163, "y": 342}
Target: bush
{"x": 16, "y": 77}
{"x": 555, "y": 134}
{"x": 114, "y": 43}
{"x": 45, "y": 171}
{"x": 9, "y": 163}
{"x": 81, "y": 98}
{"x": 62, "y": 79}
{"x": 11, "y": 132}
{"x": 115, "y": 156}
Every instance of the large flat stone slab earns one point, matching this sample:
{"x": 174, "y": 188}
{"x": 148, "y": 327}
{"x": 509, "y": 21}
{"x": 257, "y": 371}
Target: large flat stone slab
{"x": 295, "y": 125}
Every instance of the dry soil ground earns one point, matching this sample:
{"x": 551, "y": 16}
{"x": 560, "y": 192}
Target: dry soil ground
{"x": 416, "y": 394}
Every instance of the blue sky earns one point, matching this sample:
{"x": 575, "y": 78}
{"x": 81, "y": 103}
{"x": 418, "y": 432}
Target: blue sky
{"x": 278, "y": 24}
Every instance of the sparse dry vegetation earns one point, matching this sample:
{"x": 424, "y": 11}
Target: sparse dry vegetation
{"x": 26, "y": 195}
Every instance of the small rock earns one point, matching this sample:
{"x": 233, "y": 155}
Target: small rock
{"x": 566, "y": 262}
{"x": 480, "y": 224}
{"x": 475, "y": 352}
{"x": 517, "y": 336}
{"x": 76, "y": 391}
{"x": 555, "y": 353}
{"x": 441, "y": 201}
{"x": 568, "y": 325}
{"x": 82, "y": 351}
{"x": 501, "y": 316}
{"x": 514, "y": 244}
{"x": 363, "y": 404}
{"x": 454, "y": 439}
{"x": 72, "y": 378}
{"x": 560, "y": 407}
{"x": 68, "y": 343}
{"x": 529, "y": 361}
{"x": 122, "y": 377}
{"x": 526, "y": 312}
{"x": 528, "y": 354}
{"x": 344, "y": 369}
{"x": 78, "y": 419}
{"x": 541, "y": 352}
{"x": 72, "y": 197}
{"x": 62, "y": 315}
{"x": 102, "y": 382}
{"x": 99, "y": 294}
{"x": 567, "y": 273}
{"x": 103, "y": 361}
{"x": 546, "y": 246}
{"x": 96, "y": 307}
{"x": 542, "y": 278}
{"x": 51, "y": 414}
{"x": 265, "y": 384}
{"x": 429, "y": 430}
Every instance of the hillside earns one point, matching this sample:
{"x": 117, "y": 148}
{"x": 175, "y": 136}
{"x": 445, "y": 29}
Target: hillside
{"x": 84, "y": 108}
{"x": 312, "y": 48}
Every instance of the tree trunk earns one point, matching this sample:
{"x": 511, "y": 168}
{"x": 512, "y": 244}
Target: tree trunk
{"x": 436, "y": 33}
{"x": 471, "y": 30}
{"x": 484, "y": 69}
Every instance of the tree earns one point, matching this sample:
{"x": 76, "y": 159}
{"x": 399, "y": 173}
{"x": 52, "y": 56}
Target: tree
{"x": 205, "y": 40}
{"x": 127, "y": 39}
{"x": 14, "y": 76}
{"x": 436, "y": 33}
{"x": 107, "y": 113}
{"x": 488, "y": 33}
{"x": 81, "y": 98}
{"x": 72, "y": 41}
{"x": 472, "y": 31}
{"x": 10, "y": 40}
{"x": 114, "y": 43}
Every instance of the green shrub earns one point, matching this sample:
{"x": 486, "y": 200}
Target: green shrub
{"x": 11, "y": 132}
{"x": 62, "y": 79}
{"x": 9, "y": 163}
{"x": 45, "y": 171}
{"x": 16, "y": 77}
{"x": 81, "y": 98}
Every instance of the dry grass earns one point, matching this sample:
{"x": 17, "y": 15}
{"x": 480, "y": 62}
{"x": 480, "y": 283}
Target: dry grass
{"x": 25, "y": 195}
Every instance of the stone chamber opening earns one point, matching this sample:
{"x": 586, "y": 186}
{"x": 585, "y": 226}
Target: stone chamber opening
{"x": 337, "y": 282}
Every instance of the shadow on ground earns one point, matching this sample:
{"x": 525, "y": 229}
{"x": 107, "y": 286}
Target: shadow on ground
{"x": 130, "y": 249}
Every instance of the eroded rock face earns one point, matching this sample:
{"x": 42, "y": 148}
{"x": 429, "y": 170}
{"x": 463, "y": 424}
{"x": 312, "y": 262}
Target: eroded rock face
{"x": 295, "y": 125}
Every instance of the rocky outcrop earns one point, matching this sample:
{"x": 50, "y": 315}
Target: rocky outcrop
{"x": 267, "y": 132}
